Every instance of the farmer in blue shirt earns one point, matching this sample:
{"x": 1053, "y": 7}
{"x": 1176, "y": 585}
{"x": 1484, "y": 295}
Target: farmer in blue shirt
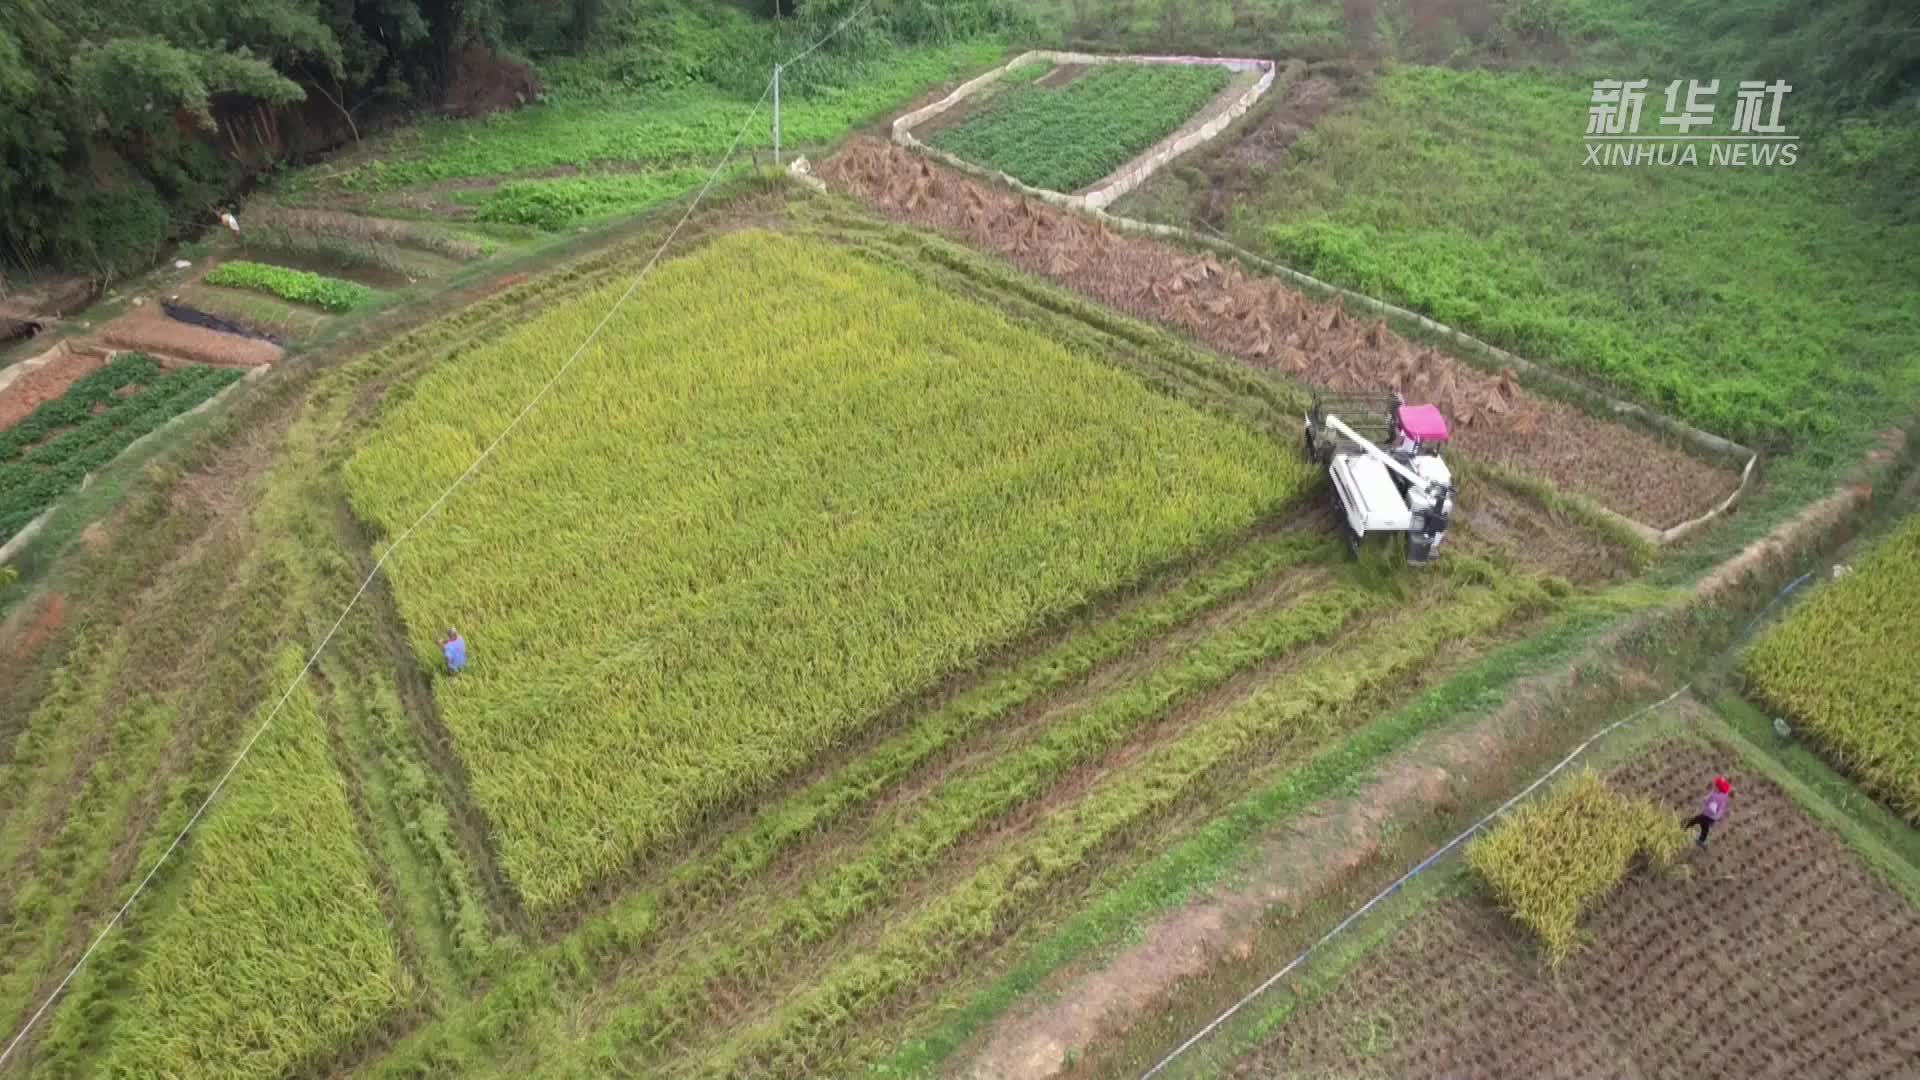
{"x": 456, "y": 649}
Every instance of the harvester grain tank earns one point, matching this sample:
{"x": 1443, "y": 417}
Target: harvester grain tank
{"x": 1405, "y": 489}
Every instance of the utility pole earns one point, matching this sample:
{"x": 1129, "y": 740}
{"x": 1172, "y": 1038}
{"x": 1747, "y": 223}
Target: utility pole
{"x": 776, "y": 116}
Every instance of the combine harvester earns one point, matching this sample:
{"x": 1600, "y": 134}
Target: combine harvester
{"x": 1408, "y": 490}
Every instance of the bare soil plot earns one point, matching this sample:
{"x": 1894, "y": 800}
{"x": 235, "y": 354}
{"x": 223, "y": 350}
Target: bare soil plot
{"x": 1776, "y": 954}
{"x": 148, "y": 330}
{"x": 1269, "y": 325}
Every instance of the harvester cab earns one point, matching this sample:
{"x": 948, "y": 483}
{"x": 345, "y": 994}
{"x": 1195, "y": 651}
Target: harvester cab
{"x": 1407, "y": 489}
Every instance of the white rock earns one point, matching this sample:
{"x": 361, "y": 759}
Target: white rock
{"x": 181, "y": 264}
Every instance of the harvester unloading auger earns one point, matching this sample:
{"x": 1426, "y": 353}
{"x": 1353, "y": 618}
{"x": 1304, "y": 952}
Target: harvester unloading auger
{"x": 1408, "y": 489}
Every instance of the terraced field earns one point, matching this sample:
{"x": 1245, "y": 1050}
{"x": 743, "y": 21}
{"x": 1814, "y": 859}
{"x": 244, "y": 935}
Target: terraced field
{"x": 845, "y": 847}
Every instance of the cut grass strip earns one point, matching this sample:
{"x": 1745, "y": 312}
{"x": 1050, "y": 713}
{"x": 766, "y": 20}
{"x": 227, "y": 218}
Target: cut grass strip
{"x": 806, "y": 1033}
{"x": 862, "y": 880}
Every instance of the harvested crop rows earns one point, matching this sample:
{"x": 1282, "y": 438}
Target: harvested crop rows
{"x": 1778, "y": 954}
{"x": 1268, "y": 325}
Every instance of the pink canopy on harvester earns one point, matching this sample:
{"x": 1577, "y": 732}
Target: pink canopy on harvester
{"x": 1423, "y": 423}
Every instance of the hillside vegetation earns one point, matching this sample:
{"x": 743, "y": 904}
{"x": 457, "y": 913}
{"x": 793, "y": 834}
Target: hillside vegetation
{"x": 126, "y": 123}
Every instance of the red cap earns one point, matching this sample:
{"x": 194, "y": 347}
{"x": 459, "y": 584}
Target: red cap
{"x": 1721, "y": 783}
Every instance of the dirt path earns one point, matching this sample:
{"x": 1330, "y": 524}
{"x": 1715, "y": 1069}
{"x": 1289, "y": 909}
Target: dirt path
{"x": 1268, "y": 325}
{"x": 1305, "y": 858}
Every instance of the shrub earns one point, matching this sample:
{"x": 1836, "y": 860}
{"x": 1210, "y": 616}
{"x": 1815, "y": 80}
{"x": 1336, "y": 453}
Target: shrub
{"x": 1842, "y": 665}
{"x": 298, "y": 286}
{"x": 1554, "y": 859}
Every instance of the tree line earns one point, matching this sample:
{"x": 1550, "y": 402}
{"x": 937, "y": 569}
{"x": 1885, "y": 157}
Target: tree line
{"x": 122, "y": 119}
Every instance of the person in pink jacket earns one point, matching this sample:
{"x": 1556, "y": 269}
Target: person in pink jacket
{"x": 1712, "y": 810}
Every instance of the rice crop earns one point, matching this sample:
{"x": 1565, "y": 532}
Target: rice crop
{"x": 1554, "y": 859}
{"x": 1285, "y": 721}
{"x": 298, "y": 286}
{"x": 277, "y": 950}
{"x": 1066, "y": 138}
{"x": 784, "y": 489}
{"x": 1842, "y": 666}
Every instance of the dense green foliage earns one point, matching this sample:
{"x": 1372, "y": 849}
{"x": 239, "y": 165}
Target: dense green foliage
{"x": 1551, "y": 861}
{"x": 1066, "y": 138}
{"x": 112, "y": 113}
{"x": 1842, "y": 666}
{"x": 666, "y": 129}
{"x": 47, "y": 454}
{"x": 803, "y": 511}
{"x": 555, "y": 204}
{"x": 299, "y": 286}
{"x": 122, "y": 121}
{"x": 1850, "y": 55}
{"x": 1751, "y": 301}
{"x": 277, "y": 952}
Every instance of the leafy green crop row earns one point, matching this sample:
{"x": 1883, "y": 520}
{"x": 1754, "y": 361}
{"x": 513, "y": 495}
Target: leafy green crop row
{"x": 739, "y": 530}
{"x": 1843, "y": 666}
{"x": 227, "y": 990}
{"x": 1556, "y": 857}
{"x": 1064, "y": 139}
{"x": 1285, "y": 720}
{"x": 299, "y": 286}
{"x": 47, "y": 454}
{"x": 555, "y": 204}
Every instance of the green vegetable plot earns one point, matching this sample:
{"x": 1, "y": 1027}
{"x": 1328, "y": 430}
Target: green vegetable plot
{"x": 47, "y": 454}
{"x": 298, "y": 286}
{"x": 1068, "y": 137}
